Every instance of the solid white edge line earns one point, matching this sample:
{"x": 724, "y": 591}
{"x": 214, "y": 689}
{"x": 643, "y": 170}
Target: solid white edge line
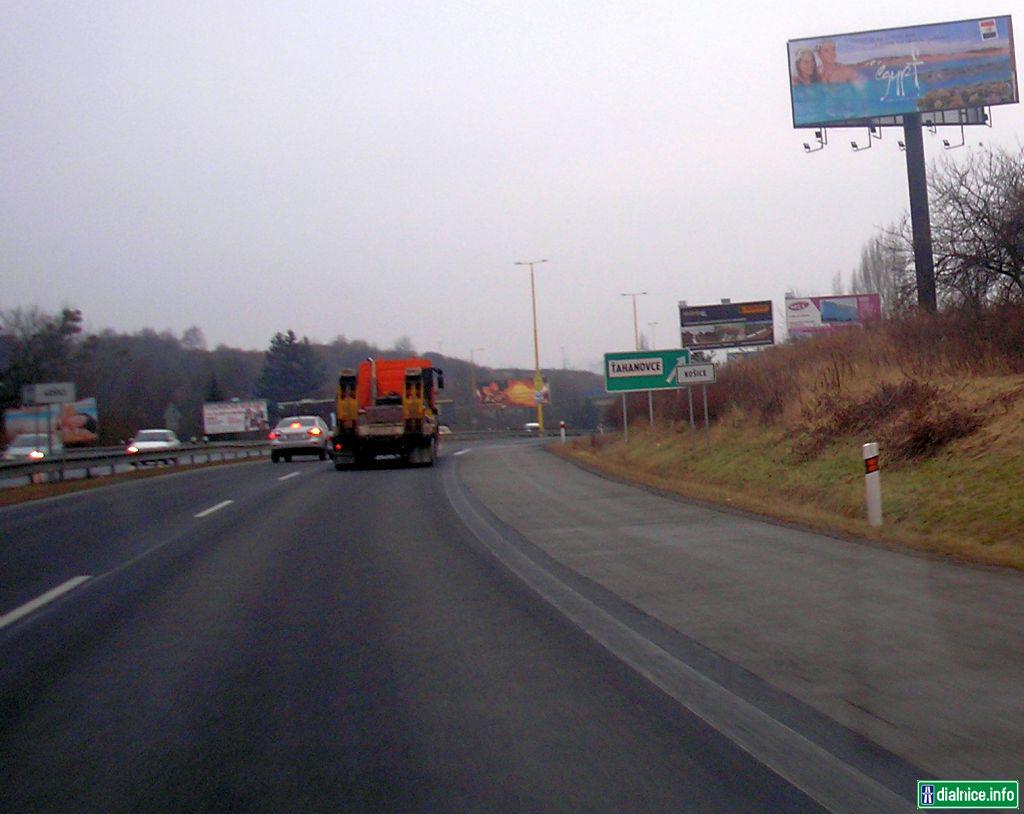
{"x": 289, "y": 475}
{"x": 213, "y": 509}
{"x": 39, "y": 601}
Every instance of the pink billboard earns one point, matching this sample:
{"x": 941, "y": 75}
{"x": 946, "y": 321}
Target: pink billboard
{"x": 806, "y": 316}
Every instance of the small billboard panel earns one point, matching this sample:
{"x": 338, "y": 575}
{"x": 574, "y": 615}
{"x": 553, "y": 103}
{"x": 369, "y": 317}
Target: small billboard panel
{"x": 894, "y": 71}
{"x": 806, "y": 316}
{"x": 235, "y": 416}
{"x": 729, "y": 325}
{"x": 512, "y": 393}
{"x": 75, "y": 422}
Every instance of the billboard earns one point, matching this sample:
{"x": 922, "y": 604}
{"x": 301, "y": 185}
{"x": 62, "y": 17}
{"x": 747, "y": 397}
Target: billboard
{"x": 234, "y": 416}
{"x": 729, "y": 325}
{"x": 806, "y": 316}
{"x": 76, "y": 422}
{"x": 916, "y": 69}
{"x": 511, "y": 393}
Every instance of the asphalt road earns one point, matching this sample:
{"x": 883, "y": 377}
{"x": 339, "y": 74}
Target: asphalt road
{"x": 291, "y": 638}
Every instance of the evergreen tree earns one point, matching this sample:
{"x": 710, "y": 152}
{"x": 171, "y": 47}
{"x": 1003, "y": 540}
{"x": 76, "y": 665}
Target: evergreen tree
{"x": 292, "y": 370}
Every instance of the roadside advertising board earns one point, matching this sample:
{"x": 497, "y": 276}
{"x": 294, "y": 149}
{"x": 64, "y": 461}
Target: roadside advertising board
{"x": 807, "y": 316}
{"x": 633, "y": 371}
{"x": 235, "y": 416}
{"x": 75, "y": 422}
{"x": 729, "y": 325}
{"x": 845, "y": 78}
{"x": 512, "y": 393}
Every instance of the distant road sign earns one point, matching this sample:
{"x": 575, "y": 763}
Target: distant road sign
{"x": 628, "y": 372}
{"x": 685, "y": 375}
{"x": 48, "y": 393}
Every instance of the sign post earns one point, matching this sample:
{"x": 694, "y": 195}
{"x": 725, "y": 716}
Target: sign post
{"x": 640, "y": 371}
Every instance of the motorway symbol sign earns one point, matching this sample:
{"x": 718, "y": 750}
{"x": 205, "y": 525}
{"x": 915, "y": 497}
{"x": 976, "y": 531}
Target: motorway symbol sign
{"x": 632, "y": 371}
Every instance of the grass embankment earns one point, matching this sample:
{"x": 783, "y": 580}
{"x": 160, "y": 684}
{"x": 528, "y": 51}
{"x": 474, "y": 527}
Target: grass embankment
{"x": 948, "y": 416}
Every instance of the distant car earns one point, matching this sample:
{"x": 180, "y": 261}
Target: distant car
{"x": 531, "y": 427}
{"x": 299, "y": 435}
{"x": 157, "y": 440}
{"x": 33, "y": 446}
{"x": 444, "y": 429}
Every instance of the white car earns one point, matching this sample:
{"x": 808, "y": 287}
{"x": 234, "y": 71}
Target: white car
{"x": 299, "y": 435}
{"x": 33, "y": 446}
{"x": 149, "y": 441}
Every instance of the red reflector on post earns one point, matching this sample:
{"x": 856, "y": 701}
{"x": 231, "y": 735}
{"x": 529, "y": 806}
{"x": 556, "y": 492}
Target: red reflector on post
{"x": 870, "y": 465}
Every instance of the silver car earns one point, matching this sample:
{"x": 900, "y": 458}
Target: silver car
{"x": 32, "y": 446}
{"x": 299, "y": 435}
{"x": 155, "y": 440}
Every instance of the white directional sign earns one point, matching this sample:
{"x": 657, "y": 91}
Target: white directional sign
{"x": 693, "y": 374}
{"x": 48, "y": 393}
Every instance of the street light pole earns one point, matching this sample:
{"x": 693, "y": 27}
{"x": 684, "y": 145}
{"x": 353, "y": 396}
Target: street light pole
{"x": 636, "y": 328}
{"x": 472, "y": 386}
{"x": 538, "y": 382}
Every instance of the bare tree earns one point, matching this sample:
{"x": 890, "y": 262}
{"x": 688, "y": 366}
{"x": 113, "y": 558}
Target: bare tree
{"x": 978, "y": 227}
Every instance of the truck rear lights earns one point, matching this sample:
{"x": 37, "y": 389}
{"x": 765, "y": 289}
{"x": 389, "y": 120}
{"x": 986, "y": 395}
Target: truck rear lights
{"x": 337, "y": 447}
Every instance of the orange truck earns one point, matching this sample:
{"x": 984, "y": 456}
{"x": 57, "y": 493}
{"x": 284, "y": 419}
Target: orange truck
{"x": 387, "y": 407}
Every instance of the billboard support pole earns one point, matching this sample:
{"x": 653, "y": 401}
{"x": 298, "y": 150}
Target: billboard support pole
{"x": 625, "y": 420}
{"x": 917, "y": 182}
{"x": 693, "y": 425}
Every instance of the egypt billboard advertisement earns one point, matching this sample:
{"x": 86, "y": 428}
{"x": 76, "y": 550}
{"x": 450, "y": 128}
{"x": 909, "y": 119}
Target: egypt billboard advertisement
{"x": 76, "y": 422}
{"x": 917, "y": 69}
{"x": 729, "y": 325}
{"x": 234, "y": 416}
{"x": 512, "y": 393}
{"x": 807, "y": 316}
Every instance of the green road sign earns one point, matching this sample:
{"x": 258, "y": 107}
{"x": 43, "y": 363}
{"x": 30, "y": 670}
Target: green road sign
{"x": 644, "y": 370}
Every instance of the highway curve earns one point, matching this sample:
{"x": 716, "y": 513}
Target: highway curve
{"x": 291, "y": 638}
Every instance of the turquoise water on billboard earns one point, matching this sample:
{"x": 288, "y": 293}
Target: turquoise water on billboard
{"x": 871, "y": 96}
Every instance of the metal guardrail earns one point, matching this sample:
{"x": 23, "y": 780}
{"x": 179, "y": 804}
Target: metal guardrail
{"x": 97, "y": 462}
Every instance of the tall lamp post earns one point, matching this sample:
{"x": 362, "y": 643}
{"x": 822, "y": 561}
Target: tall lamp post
{"x": 538, "y": 382}
{"x": 472, "y": 386}
{"x": 636, "y": 329}
{"x": 636, "y": 340}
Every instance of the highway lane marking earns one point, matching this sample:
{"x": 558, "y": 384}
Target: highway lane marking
{"x": 460, "y": 452}
{"x": 213, "y": 509}
{"x": 39, "y": 601}
{"x": 289, "y": 475}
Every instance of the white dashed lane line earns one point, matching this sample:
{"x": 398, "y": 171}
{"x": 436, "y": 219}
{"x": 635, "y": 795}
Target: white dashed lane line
{"x": 39, "y": 601}
{"x": 213, "y": 509}
{"x": 289, "y": 475}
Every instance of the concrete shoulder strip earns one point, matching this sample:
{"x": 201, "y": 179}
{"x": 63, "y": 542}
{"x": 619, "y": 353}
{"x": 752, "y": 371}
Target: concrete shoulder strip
{"x": 818, "y": 773}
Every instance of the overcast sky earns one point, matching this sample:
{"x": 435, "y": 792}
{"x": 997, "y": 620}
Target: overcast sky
{"x": 375, "y": 169}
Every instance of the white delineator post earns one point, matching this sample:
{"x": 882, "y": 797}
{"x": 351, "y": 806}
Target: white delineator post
{"x": 872, "y": 484}
{"x": 561, "y": 430}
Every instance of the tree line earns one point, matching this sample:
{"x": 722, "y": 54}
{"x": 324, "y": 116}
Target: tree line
{"x": 155, "y": 379}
